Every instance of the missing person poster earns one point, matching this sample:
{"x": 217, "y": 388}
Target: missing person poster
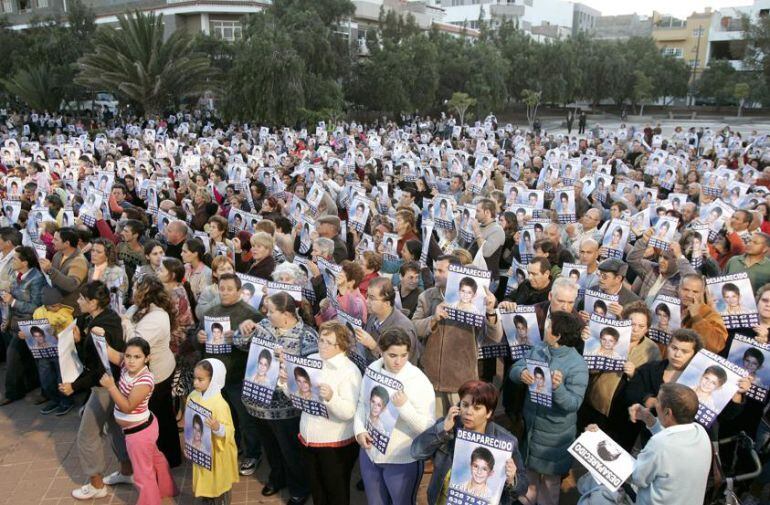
{"x": 615, "y": 238}
{"x": 540, "y": 391}
{"x": 520, "y": 328}
{"x": 381, "y": 414}
{"x": 478, "y": 468}
{"x": 40, "y": 338}
{"x": 465, "y": 222}
{"x": 217, "y": 332}
{"x": 69, "y": 363}
{"x": 564, "y": 203}
{"x": 578, "y": 274}
{"x": 527, "y": 243}
{"x": 353, "y": 323}
{"x": 262, "y": 369}
{"x": 714, "y": 380}
{"x": 596, "y": 302}
{"x": 358, "y": 213}
{"x": 305, "y": 238}
{"x": 665, "y": 229}
{"x": 304, "y": 374}
{"x": 390, "y": 246}
{"x": 607, "y": 348}
{"x": 750, "y": 355}
{"x": 608, "y": 463}
{"x": 293, "y": 290}
{"x": 466, "y": 292}
{"x": 197, "y": 434}
{"x": 443, "y": 212}
{"x": 666, "y": 317}
{"x": 101, "y": 349}
{"x": 734, "y": 300}
{"x": 252, "y": 289}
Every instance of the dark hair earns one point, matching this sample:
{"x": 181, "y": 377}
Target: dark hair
{"x": 206, "y": 366}
{"x": 545, "y": 265}
{"x": 28, "y": 255}
{"x": 110, "y": 251}
{"x": 681, "y": 399}
{"x": 135, "y": 226}
{"x": 197, "y": 419}
{"x": 38, "y": 329}
{"x": 353, "y": 271}
{"x": 301, "y": 372}
{"x": 149, "y": 291}
{"x": 195, "y": 246}
{"x": 481, "y": 393}
{"x": 663, "y": 308}
{"x": 10, "y": 234}
{"x": 538, "y": 371}
{"x": 612, "y": 332}
{"x": 567, "y": 327}
{"x": 283, "y": 302}
{"x": 68, "y": 235}
{"x": 175, "y": 268}
{"x": 470, "y": 282}
{"x": 150, "y": 245}
{"x": 394, "y": 336}
{"x": 718, "y": 372}
{"x": 755, "y": 353}
{"x": 687, "y": 335}
{"x": 386, "y": 287}
{"x": 230, "y": 277}
{"x": 484, "y": 455}
{"x": 140, "y": 343}
{"x": 266, "y": 354}
{"x": 729, "y": 286}
{"x": 97, "y": 290}
{"x": 381, "y": 393}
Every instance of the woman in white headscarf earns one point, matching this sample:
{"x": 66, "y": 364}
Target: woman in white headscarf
{"x": 213, "y": 485}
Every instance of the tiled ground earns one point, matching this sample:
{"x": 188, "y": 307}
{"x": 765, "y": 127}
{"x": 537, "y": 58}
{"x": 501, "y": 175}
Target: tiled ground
{"x": 39, "y": 464}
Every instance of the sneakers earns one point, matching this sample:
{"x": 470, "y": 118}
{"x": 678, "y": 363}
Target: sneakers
{"x": 49, "y": 408}
{"x": 116, "y": 478}
{"x": 249, "y": 466}
{"x": 63, "y": 410}
{"x": 89, "y": 492}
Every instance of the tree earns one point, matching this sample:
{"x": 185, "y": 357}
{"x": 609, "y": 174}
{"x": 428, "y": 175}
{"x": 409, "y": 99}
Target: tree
{"x": 532, "y": 101}
{"x": 717, "y": 82}
{"x": 460, "y": 103}
{"x": 741, "y": 92}
{"x": 37, "y": 87}
{"x": 642, "y": 89}
{"x": 135, "y": 63}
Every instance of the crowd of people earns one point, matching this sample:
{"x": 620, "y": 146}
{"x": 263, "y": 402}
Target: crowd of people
{"x": 378, "y": 295}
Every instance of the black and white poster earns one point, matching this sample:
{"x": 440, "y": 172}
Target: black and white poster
{"x": 608, "y": 463}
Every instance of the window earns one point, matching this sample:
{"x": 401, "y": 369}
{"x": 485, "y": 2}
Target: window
{"x": 42, "y": 4}
{"x": 676, "y": 52}
{"x": 24, "y": 5}
{"x": 227, "y": 30}
{"x": 698, "y": 32}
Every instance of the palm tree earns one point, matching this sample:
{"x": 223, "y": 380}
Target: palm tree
{"x": 136, "y": 64}
{"x": 38, "y": 87}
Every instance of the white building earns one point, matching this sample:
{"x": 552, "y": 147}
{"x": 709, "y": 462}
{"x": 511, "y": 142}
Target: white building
{"x": 558, "y": 17}
{"x": 726, "y": 38}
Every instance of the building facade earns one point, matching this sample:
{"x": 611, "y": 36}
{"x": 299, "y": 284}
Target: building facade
{"x": 686, "y": 39}
{"x": 622, "y": 27}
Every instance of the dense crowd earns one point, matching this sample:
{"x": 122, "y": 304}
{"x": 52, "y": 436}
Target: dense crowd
{"x": 374, "y": 294}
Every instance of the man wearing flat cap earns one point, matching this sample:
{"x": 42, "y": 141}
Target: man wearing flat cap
{"x": 612, "y": 274}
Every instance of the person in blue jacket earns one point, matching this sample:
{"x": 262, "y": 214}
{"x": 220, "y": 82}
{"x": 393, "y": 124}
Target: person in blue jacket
{"x": 478, "y": 401}
{"x": 551, "y": 430}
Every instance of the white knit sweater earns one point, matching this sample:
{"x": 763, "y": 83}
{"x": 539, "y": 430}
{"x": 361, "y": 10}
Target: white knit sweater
{"x": 414, "y": 416}
{"x": 343, "y": 377}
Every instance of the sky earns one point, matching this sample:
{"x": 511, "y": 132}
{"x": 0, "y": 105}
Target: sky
{"x": 678, "y": 8}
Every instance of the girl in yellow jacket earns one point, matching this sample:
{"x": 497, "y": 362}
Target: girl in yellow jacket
{"x": 214, "y": 485}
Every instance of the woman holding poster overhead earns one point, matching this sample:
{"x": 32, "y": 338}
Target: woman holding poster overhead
{"x": 551, "y": 430}
{"x": 330, "y": 445}
{"x": 661, "y": 278}
{"x": 393, "y": 476}
{"x": 278, "y": 423}
{"x": 478, "y": 401}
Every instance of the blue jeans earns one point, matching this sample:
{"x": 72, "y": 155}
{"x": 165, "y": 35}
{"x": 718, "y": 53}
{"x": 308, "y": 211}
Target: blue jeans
{"x": 390, "y": 484}
{"x": 50, "y": 378}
